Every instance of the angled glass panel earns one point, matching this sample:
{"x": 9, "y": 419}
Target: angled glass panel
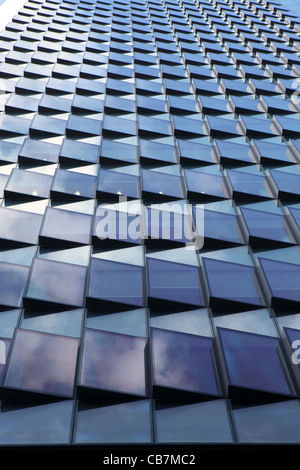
{"x": 254, "y": 362}
{"x": 14, "y": 429}
{"x": 116, "y": 282}
{"x": 230, "y": 230}
{"x": 282, "y": 278}
{"x": 39, "y": 150}
{"x": 13, "y": 279}
{"x": 243, "y": 183}
{"x": 115, "y": 151}
{"x": 28, "y": 183}
{"x": 161, "y": 184}
{"x": 70, "y": 183}
{"x": 156, "y": 152}
{"x": 183, "y": 362}
{"x": 192, "y": 423}
{"x": 67, "y": 323}
{"x": 129, "y": 322}
{"x": 265, "y": 225}
{"x": 286, "y": 183}
{"x": 121, "y": 423}
{"x": 268, "y": 423}
{"x": 57, "y": 282}
{"x": 174, "y": 282}
{"x": 194, "y": 152}
{"x": 79, "y": 151}
{"x": 232, "y": 281}
{"x": 19, "y": 226}
{"x": 9, "y": 152}
{"x": 115, "y": 362}
{"x": 42, "y": 363}
{"x": 66, "y": 225}
{"x": 205, "y": 185}
{"x": 113, "y": 183}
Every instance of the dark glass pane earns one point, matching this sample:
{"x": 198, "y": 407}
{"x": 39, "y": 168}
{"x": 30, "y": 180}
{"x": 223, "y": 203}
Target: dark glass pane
{"x": 70, "y": 183}
{"x": 122, "y": 423}
{"x": 43, "y": 363}
{"x": 82, "y": 151}
{"x": 262, "y": 224}
{"x": 254, "y": 362}
{"x": 183, "y": 362}
{"x": 116, "y": 183}
{"x": 114, "y": 362}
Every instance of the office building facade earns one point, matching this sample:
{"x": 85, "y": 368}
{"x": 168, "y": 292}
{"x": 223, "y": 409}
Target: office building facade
{"x": 149, "y": 224}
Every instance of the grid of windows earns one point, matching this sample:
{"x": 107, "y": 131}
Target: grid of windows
{"x": 113, "y": 329}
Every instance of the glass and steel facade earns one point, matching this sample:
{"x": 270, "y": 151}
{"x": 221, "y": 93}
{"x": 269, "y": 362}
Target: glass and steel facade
{"x": 121, "y": 123}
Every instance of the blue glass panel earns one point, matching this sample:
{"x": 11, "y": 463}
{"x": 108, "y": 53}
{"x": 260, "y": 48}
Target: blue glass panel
{"x": 14, "y": 419}
{"x": 283, "y": 278}
{"x": 116, "y": 151}
{"x": 230, "y": 231}
{"x": 155, "y": 151}
{"x": 66, "y": 323}
{"x": 43, "y": 363}
{"x": 29, "y": 183}
{"x": 115, "y": 362}
{"x": 122, "y": 423}
{"x": 19, "y": 226}
{"x": 232, "y": 281}
{"x": 117, "y": 183}
{"x": 66, "y": 225}
{"x": 82, "y": 151}
{"x": 9, "y": 152}
{"x": 271, "y": 423}
{"x": 73, "y": 183}
{"x": 161, "y": 183}
{"x": 254, "y": 362}
{"x": 57, "y": 282}
{"x": 266, "y": 225}
{"x": 39, "y": 150}
{"x": 13, "y": 279}
{"x": 286, "y": 182}
{"x": 116, "y": 282}
{"x": 247, "y": 183}
{"x": 174, "y": 282}
{"x": 206, "y": 422}
{"x": 183, "y": 362}
{"x": 205, "y": 184}
{"x": 129, "y": 322}
{"x": 193, "y": 152}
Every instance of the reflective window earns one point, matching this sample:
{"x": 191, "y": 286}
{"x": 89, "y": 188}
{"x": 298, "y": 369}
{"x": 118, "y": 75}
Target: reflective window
{"x": 173, "y": 282}
{"x": 70, "y": 183}
{"x": 191, "y": 423}
{"x": 78, "y": 151}
{"x": 254, "y": 362}
{"x": 268, "y": 423}
{"x": 66, "y": 225}
{"x": 29, "y": 183}
{"x": 129, "y": 322}
{"x": 19, "y": 226}
{"x": 56, "y": 282}
{"x": 183, "y": 362}
{"x": 39, "y": 150}
{"x": 14, "y": 419}
{"x": 68, "y": 323}
{"x": 121, "y": 423}
{"x": 282, "y": 278}
{"x": 231, "y": 282}
{"x": 116, "y": 282}
{"x": 42, "y": 363}
{"x": 115, "y": 183}
{"x": 205, "y": 185}
{"x": 13, "y": 280}
{"x": 114, "y": 362}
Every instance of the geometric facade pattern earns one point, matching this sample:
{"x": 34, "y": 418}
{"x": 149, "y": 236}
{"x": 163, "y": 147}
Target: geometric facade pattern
{"x": 108, "y": 106}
